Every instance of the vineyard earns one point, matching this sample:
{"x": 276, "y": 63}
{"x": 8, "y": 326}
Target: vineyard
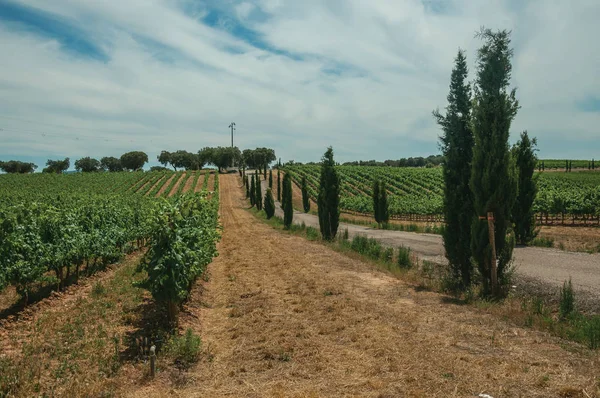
{"x": 54, "y": 227}
{"x": 417, "y": 193}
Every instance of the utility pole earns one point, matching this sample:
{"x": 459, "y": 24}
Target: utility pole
{"x": 232, "y": 127}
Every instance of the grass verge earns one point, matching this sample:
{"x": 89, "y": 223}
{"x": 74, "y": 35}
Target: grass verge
{"x": 525, "y": 311}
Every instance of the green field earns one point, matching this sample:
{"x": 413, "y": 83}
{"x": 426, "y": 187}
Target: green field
{"x": 419, "y": 191}
{"x": 52, "y": 226}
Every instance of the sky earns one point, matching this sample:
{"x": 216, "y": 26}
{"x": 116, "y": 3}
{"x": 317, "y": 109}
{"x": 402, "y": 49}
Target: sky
{"x": 103, "y": 77}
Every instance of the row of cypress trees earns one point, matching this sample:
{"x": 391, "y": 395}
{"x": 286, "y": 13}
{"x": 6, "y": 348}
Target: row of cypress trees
{"x": 481, "y": 173}
{"x": 328, "y": 198}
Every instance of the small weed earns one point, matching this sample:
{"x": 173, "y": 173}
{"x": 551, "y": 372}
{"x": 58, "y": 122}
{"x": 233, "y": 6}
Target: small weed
{"x": 98, "y": 290}
{"x": 312, "y": 233}
{"x": 567, "y": 300}
{"x": 231, "y": 278}
{"x": 543, "y": 242}
{"x": 388, "y": 254}
{"x": 184, "y": 349}
{"x": 404, "y": 260}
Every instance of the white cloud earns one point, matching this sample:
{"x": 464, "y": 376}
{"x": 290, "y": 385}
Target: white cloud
{"x": 392, "y": 59}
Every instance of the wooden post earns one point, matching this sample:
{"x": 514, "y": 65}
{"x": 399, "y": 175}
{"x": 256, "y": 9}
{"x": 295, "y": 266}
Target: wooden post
{"x": 152, "y": 361}
{"x": 493, "y": 265}
{"x": 490, "y": 218}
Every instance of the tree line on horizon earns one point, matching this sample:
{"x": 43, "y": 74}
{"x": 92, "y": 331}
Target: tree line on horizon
{"x": 220, "y": 157}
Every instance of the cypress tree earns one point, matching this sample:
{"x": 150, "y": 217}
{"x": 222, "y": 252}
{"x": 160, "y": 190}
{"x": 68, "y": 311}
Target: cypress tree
{"x": 288, "y": 210}
{"x": 384, "y": 214}
{"x": 258, "y": 194}
{"x": 252, "y": 192}
{"x": 305, "y": 197}
{"x": 269, "y": 204}
{"x": 523, "y": 214}
{"x": 271, "y": 178}
{"x": 593, "y": 164}
{"x": 265, "y": 172}
{"x": 457, "y": 149}
{"x": 247, "y": 187}
{"x": 570, "y": 166}
{"x": 543, "y": 166}
{"x": 493, "y": 176}
{"x": 566, "y": 166}
{"x": 329, "y": 197}
{"x": 278, "y": 185}
{"x": 376, "y": 202}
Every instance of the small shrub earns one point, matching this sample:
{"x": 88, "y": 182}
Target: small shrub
{"x": 388, "y": 254}
{"x": 312, "y": 233}
{"x": 567, "y": 300}
{"x": 184, "y": 349}
{"x": 404, "y": 260}
{"x": 592, "y": 332}
{"x": 368, "y": 247}
{"x": 346, "y": 237}
{"x": 543, "y": 242}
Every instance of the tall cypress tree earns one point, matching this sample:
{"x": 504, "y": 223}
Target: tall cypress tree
{"x": 258, "y": 193}
{"x": 376, "y": 201}
{"x": 493, "y": 177}
{"x": 523, "y": 215}
{"x": 288, "y": 210}
{"x": 278, "y": 185}
{"x": 384, "y": 214}
{"x": 305, "y": 197}
{"x": 269, "y": 204}
{"x": 252, "y": 192}
{"x": 329, "y": 197}
{"x": 457, "y": 149}
{"x": 247, "y": 187}
{"x": 271, "y": 178}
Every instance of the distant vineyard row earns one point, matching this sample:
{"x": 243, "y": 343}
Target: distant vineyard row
{"x": 419, "y": 192}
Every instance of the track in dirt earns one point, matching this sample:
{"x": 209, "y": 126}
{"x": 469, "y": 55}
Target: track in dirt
{"x": 282, "y": 316}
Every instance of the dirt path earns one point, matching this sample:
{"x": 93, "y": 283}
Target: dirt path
{"x": 285, "y": 317}
{"x": 189, "y": 182}
{"x": 550, "y": 266}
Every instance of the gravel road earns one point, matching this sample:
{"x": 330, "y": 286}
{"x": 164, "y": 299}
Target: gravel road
{"x": 551, "y": 266}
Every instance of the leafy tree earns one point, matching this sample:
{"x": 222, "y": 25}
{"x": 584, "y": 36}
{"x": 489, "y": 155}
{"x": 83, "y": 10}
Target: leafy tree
{"x": 111, "y": 164}
{"x": 493, "y": 176}
{"x": 16, "y": 166}
{"x": 269, "y": 204}
{"x": 329, "y": 197}
{"x": 523, "y": 215}
{"x": 134, "y": 160}
{"x": 57, "y": 166}
{"x": 384, "y": 213}
{"x": 271, "y": 178}
{"x": 278, "y": 185}
{"x": 288, "y": 210}
{"x": 252, "y": 191}
{"x": 222, "y": 157}
{"x": 376, "y": 201}
{"x": 87, "y": 165}
{"x": 305, "y": 197}
{"x": 258, "y": 194}
{"x": 457, "y": 150}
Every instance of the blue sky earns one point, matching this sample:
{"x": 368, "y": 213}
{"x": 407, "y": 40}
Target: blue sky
{"x": 85, "y": 78}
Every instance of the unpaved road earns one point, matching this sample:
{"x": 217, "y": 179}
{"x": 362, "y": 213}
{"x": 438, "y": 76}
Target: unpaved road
{"x": 285, "y": 317}
{"x": 551, "y": 266}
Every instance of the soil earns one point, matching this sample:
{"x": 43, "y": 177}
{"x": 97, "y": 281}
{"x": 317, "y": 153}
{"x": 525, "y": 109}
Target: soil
{"x": 160, "y": 181}
{"x": 189, "y": 182}
{"x": 176, "y": 186}
{"x": 164, "y": 186}
{"x": 285, "y": 317}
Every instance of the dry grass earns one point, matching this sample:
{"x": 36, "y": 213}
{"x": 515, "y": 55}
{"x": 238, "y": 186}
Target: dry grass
{"x": 282, "y": 316}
